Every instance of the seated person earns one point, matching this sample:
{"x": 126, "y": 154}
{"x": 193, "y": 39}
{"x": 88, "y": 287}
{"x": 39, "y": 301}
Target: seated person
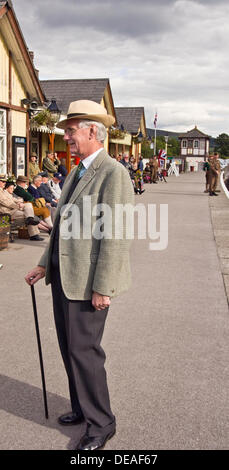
{"x": 19, "y": 211}
{"x": 44, "y": 190}
{"x": 62, "y": 169}
{"x": 21, "y": 191}
{"x": 54, "y": 185}
{"x": 147, "y": 173}
{"x": 3, "y": 180}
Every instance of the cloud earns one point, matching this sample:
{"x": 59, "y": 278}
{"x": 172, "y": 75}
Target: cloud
{"x": 170, "y": 55}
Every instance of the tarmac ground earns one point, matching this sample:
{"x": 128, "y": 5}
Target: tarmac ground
{"x": 166, "y": 339}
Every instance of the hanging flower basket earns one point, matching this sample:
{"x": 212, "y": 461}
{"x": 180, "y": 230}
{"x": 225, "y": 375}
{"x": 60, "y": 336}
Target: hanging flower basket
{"x": 44, "y": 118}
{"x": 117, "y": 134}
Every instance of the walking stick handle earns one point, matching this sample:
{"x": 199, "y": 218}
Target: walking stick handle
{"x": 39, "y": 350}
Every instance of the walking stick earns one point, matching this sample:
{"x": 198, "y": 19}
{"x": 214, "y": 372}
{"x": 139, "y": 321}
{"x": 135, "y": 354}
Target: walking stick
{"x": 40, "y": 351}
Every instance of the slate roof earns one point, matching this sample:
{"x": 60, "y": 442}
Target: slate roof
{"x": 66, "y": 91}
{"x": 194, "y": 133}
{"x": 130, "y": 118}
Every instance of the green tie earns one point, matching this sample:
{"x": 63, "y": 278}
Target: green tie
{"x": 77, "y": 173}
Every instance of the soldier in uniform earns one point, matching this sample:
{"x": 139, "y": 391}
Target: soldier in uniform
{"x": 33, "y": 166}
{"x": 50, "y": 163}
{"x": 206, "y": 169}
{"x": 218, "y": 168}
{"x": 213, "y": 176}
{"x": 154, "y": 167}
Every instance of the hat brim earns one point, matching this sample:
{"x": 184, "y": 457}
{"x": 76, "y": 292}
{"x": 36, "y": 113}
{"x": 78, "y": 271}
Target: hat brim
{"x": 107, "y": 120}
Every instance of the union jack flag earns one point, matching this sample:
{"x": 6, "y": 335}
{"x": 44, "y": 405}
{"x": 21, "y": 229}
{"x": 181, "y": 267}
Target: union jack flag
{"x": 162, "y": 154}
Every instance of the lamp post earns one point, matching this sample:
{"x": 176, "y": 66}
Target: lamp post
{"x": 55, "y": 112}
{"x": 166, "y": 147}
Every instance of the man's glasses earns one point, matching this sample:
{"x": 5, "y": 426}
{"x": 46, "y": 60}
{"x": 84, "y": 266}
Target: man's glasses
{"x": 71, "y": 131}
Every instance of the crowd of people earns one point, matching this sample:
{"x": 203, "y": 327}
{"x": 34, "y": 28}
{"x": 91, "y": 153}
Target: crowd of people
{"x": 140, "y": 175}
{"x": 32, "y": 200}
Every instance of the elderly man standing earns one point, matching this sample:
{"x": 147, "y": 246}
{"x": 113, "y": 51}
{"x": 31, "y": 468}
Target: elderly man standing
{"x": 87, "y": 271}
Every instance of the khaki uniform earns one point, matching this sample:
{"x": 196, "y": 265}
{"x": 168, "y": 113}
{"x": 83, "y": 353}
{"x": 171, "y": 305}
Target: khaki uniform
{"x": 50, "y": 166}
{"x": 154, "y": 168}
{"x": 218, "y": 168}
{"x": 33, "y": 170}
{"x": 213, "y": 176}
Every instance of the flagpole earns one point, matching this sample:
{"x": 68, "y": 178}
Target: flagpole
{"x": 155, "y": 134}
{"x": 155, "y": 141}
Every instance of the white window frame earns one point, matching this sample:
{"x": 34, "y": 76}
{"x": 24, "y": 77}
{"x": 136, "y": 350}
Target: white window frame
{"x": 3, "y": 136}
{"x": 184, "y": 144}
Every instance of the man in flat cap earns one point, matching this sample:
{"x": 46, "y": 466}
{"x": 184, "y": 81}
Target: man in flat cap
{"x": 87, "y": 271}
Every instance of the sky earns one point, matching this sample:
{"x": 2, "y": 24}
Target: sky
{"x": 170, "y": 56}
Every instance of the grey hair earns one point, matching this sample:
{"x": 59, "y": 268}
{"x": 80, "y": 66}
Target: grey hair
{"x": 37, "y": 177}
{"x": 101, "y": 129}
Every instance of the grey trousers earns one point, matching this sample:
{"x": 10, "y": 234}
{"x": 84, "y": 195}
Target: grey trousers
{"x": 79, "y": 329}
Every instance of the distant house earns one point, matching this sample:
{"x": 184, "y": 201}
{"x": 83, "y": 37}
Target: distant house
{"x": 132, "y": 120}
{"x": 66, "y": 91}
{"x": 194, "y": 148}
{"x": 19, "y": 86}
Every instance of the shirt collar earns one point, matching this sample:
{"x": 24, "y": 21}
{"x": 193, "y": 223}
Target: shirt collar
{"x": 88, "y": 161}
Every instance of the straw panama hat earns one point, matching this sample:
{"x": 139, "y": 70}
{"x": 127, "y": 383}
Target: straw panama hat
{"x": 87, "y": 110}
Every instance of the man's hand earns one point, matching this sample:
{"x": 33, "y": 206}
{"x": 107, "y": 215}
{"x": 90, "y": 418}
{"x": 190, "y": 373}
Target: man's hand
{"x": 35, "y": 275}
{"x": 100, "y": 302}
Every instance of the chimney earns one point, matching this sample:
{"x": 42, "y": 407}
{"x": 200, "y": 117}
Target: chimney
{"x": 31, "y": 54}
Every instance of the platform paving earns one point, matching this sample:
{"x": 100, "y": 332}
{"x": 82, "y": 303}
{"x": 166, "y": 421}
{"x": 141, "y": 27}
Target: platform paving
{"x": 166, "y": 339}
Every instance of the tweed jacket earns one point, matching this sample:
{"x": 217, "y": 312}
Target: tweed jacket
{"x": 87, "y": 263}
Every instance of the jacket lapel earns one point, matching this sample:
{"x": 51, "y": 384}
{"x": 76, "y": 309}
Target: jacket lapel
{"x": 88, "y": 175}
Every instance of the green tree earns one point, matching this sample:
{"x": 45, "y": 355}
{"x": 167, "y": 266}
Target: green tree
{"x": 222, "y": 145}
{"x": 146, "y": 151}
{"x": 173, "y": 147}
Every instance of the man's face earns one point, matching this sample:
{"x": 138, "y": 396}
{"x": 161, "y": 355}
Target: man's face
{"x": 44, "y": 179}
{"x": 33, "y": 159}
{"x": 2, "y": 184}
{"x": 77, "y": 138}
{"x": 51, "y": 156}
{"x": 56, "y": 180}
{"x": 38, "y": 182}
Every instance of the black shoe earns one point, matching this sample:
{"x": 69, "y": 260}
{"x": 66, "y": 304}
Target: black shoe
{"x": 211, "y": 194}
{"x": 32, "y": 221}
{"x": 93, "y": 443}
{"x": 70, "y": 418}
{"x": 143, "y": 190}
{"x": 214, "y": 194}
{"x": 36, "y": 238}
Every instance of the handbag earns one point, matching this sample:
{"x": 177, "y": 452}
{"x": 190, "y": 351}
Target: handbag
{"x": 39, "y": 202}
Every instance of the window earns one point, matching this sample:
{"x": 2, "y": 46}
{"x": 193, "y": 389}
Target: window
{"x": 184, "y": 144}
{"x": 2, "y": 141}
{"x": 196, "y": 144}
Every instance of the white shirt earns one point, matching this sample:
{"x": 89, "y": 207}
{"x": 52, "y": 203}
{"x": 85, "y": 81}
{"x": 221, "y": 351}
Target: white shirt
{"x": 55, "y": 188}
{"x": 88, "y": 161}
